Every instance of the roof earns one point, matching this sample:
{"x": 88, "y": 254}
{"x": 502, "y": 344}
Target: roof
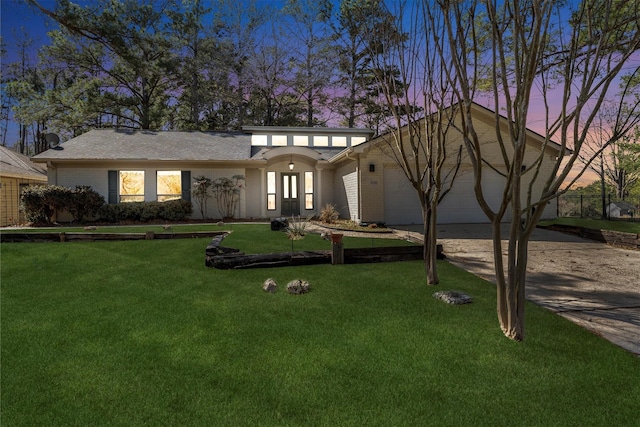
{"x": 16, "y": 165}
{"x": 309, "y": 130}
{"x": 118, "y": 144}
{"x": 487, "y": 113}
{"x": 622, "y": 205}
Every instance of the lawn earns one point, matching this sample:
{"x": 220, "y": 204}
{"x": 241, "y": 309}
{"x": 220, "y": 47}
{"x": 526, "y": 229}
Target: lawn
{"x": 597, "y": 224}
{"x": 142, "y": 333}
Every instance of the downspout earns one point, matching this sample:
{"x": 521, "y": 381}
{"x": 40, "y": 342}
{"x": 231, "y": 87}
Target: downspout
{"x": 359, "y": 175}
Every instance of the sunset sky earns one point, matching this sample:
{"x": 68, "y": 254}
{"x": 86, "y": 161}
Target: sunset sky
{"x": 18, "y": 19}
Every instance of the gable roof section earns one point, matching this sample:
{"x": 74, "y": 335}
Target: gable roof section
{"x": 622, "y": 205}
{"x": 16, "y": 165}
{"x": 486, "y": 115}
{"x": 117, "y": 144}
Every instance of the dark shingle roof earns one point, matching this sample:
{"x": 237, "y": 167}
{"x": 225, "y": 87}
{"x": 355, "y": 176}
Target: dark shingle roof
{"x": 19, "y": 166}
{"x": 114, "y": 144}
{"x": 623, "y": 205}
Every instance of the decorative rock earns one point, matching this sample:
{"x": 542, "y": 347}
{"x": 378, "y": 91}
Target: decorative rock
{"x": 453, "y": 297}
{"x": 269, "y": 285}
{"x": 298, "y": 287}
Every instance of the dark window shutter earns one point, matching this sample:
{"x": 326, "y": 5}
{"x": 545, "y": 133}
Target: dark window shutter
{"x": 186, "y": 185}
{"x": 113, "y": 187}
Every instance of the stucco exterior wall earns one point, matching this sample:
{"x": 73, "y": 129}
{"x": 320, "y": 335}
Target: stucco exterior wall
{"x": 253, "y": 192}
{"x": 97, "y": 178}
{"x": 372, "y": 195}
{"x": 325, "y": 184}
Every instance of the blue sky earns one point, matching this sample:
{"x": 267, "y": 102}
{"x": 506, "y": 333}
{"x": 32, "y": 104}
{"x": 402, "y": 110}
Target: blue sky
{"x": 16, "y": 16}
{"x": 18, "y": 19}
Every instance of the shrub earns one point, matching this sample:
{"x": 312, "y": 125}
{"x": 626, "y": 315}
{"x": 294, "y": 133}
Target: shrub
{"x": 110, "y": 213}
{"x": 329, "y": 214}
{"x": 85, "y": 203}
{"x": 32, "y": 203}
{"x": 172, "y": 210}
{"x": 201, "y": 192}
{"x": 148, "y": 211}
{"x": 176, "y": 210}
{"x": 227, "y": 194}
{"x": 296, "y": 230}
{"x": 41, "y": 202}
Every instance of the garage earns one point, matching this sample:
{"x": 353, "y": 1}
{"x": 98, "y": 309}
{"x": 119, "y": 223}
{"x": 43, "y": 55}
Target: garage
{"x": 402, "y": 205}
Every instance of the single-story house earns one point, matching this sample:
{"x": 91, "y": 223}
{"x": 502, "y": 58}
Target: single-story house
{"x": 17, "y": 172}
{"x": 288, "y": 171}
{"x": 620, "y": 210}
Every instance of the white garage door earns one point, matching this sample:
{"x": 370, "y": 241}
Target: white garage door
{"x": 401, "y": 203}
{"x": 458, "y": 207}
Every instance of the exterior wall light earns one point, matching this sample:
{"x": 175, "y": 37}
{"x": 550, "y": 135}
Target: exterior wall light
{"x": 291, "y": 164}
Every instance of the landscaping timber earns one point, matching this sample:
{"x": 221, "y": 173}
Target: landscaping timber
{"x": 613, "y": 238}
{"x": 90, "y": 237}
{"x": 223, "y": 258}
{"x": 241, "y": 261}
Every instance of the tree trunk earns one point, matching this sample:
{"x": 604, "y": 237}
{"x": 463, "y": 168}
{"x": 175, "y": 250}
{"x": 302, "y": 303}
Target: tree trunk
{"x": 430, "y": 243}
{"x": 510, "y": 295}
{"x": 603, "y": 189}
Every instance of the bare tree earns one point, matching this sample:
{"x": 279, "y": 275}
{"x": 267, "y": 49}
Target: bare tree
{"x": 607, "y": 151}
{"x": 524, "y": 46}
{"x": 418, "y": 97}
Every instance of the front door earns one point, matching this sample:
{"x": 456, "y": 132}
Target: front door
{"x": 290, "y": 195}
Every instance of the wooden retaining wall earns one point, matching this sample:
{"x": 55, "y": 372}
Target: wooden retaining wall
{"x": 91, "y": 237}
{"x": 613, "y": 238}
{"x": 221, "y": 258}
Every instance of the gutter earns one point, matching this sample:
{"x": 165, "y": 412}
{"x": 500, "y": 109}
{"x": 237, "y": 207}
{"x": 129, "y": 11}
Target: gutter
{"x": 343, "y": 154}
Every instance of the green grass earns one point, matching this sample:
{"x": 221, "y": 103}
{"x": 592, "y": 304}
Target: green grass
{"x": 597, "y": 224}
{"x": 141, "y": 333}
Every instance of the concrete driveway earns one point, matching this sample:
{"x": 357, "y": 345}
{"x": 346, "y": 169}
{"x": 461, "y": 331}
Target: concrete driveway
{"x": 592, "y": 284}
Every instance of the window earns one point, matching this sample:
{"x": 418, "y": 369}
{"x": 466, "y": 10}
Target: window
{"x": 169, "y": 185}
{"x": 131, "y": 185}
{"x": 279, "y": 140}
{"x": 308, "y": 190}
{"x": 258, "y": 140}
{"x": 321, "y": 141}
{"x": 301, "y": 140}
{"x": 357, "y": 140}
{"x": 339, "y": 141}
{"x": 271, "y": 191}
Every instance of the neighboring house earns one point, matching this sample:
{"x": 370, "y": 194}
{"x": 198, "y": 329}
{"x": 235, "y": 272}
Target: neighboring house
{"x": 620, "y": 210}
{"x": 16, "y": 173}
{"x": 288, "y": 171}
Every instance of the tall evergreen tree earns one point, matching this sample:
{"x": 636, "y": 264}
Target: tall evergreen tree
{"x": 311, "y": 52}
{"x": 126, "y": 46}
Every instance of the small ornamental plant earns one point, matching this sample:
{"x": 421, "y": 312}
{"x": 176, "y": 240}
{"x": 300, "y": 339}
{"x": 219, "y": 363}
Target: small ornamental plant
{"x": 297, "y": 229}
{"x": 329, "y": 214}
{"x": 227, "y": 194}
{"x": 201, "y": 192}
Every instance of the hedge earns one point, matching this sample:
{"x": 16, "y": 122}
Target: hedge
{"x": 173, "y": 210}
{"x": 41, "y": 202}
